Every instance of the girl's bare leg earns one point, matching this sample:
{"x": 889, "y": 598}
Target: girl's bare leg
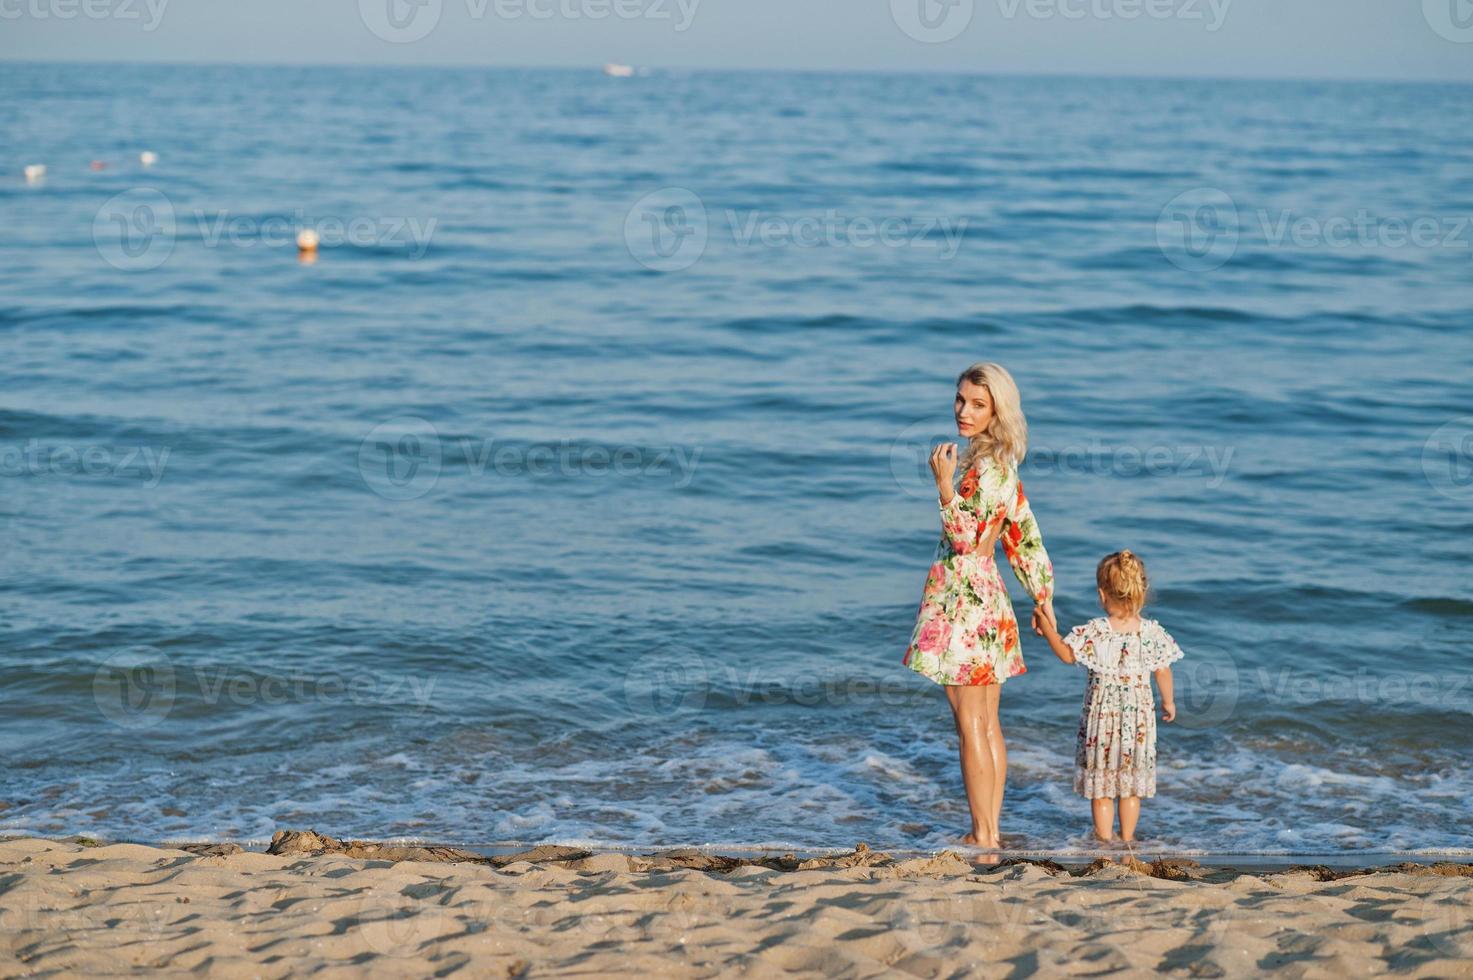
{"x": 969, "y": 708}
{"x": 1104, "y": 814}
{"x": 1130, "y": 812}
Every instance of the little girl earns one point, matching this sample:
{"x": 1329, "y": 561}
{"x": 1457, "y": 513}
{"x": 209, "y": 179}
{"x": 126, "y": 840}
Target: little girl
{"x": 1115, "y": 756}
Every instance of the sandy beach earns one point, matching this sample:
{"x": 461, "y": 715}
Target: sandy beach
{"x": 335, "y": 908}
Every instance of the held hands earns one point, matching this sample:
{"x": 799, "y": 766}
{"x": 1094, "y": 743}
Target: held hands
{"x": 1168, "y": 711}
{"x": 1044, "y": 622}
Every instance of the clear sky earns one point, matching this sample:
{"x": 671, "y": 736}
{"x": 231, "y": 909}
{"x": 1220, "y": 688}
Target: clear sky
{"x": 1407, "y": 39}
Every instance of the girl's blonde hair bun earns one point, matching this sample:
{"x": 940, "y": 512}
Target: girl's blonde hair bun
{"x": 1121, "y": 576}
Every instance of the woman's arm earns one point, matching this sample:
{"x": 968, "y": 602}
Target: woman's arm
{"x": 1168, "y": 699}
{"x": 1023, "y": 544}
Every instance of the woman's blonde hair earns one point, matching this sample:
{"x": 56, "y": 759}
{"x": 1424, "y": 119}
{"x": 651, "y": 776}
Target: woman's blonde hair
{"x": 1121, "y": 576}
{"x": 1006, "y": 436}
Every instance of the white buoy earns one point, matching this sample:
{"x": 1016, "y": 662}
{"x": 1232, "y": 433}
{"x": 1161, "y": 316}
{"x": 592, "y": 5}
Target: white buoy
{"x": 34, "y": 172}
{"x": 148, "y": 158}
{"x": 306, "y": 240}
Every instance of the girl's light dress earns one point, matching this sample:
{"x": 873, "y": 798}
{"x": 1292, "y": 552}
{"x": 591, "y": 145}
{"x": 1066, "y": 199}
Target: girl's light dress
{"x": 965, "y": 630}
{"x": 1115, "y": 754}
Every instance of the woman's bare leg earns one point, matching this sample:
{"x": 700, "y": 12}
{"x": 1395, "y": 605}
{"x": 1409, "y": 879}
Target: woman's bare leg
{"x": 969, "y": 708}
{"x": 1104, "y": 814}
{"x": 999, "y": 749}
{"x": 1130, "y": 812}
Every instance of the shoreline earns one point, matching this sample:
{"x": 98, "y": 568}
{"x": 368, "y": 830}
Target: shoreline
{"x": 315, "y": 903}
{"x": 1345, "y": 863}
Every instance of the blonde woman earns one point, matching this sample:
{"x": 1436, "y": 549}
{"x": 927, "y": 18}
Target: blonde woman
{"x": 966, "y": 635}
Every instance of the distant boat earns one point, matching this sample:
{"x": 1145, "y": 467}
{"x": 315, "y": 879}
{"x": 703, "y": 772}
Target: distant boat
{"x": 615, "y": 70}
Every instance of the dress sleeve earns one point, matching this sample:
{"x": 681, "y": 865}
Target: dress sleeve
{"x": 1082, "y": 641}
{"x": 967, "y": 519}
{"x": 1161, "y": 649}
{"x": 1023, "y": 544}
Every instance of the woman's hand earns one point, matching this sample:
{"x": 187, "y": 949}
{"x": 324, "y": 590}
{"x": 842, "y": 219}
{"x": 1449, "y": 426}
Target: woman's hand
{"x": 1168, "y": 711}
{"x": 943, "y": 464}
{"x": 1044, "y": 620}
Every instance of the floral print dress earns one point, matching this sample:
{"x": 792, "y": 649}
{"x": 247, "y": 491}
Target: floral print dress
{"x": 965, "y": 630}
{"x": 1115, "y": 753}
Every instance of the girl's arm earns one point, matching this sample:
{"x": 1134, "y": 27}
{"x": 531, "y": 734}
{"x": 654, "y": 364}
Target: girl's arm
{"x": 1168, "y": 702}
{"x": 1056, "y": 642}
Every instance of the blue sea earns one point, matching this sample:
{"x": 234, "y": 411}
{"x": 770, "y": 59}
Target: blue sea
{"x": 574, "y": 489}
